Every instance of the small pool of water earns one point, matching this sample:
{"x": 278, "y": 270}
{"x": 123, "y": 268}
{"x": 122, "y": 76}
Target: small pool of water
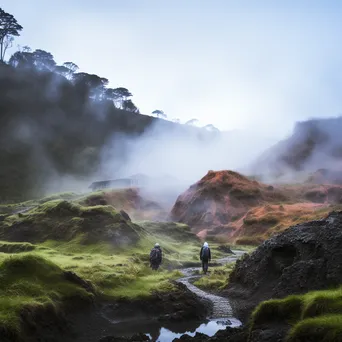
{"x": 210, "y": 329}
{"x": 159, "y": 332}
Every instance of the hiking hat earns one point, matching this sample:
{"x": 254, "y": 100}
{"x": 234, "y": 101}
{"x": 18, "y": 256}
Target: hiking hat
{"x": 156, "y": 245}
{"x": 205, "y": 244}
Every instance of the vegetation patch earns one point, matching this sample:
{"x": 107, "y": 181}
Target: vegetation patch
{"x": 262, "y": 222}
{"x": 94, "y": 244}
{"x": 13, "y": 247}
{"x": 282, "y": 310}
{"x": 314, "y": 316}
{"x": 63, "y": 220}
{"x": 325, "y": 328}
{"x": 216, "y": 279}
{"x": 36, "y": 280}
{"x": 29, "y": 282}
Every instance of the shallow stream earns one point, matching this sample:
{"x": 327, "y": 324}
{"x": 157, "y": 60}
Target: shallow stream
{"x": 221, "y": 317}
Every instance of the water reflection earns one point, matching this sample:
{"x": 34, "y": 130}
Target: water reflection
{"x": 209, "y": 328}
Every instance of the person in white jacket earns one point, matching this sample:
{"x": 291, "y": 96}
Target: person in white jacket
{"x": 205, "y": 257}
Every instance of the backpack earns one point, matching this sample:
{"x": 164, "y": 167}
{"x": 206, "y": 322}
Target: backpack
{"x": 205, "y": 253}
{"x": 155, "y": 255}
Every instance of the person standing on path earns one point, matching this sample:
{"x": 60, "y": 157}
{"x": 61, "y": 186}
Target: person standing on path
{"x": 205, "y": 256}
{"x": 156, "y": 256}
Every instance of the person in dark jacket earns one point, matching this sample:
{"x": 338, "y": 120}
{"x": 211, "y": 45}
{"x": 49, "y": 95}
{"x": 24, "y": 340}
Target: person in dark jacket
{"x": 205, "y": 256}
{"x": 156, "y": 257}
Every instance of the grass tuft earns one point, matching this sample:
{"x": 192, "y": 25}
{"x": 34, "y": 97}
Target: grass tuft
{"x": 278, "y": 310}
{"x": 30, "y": 281}
{"x": 314, "y": 316}
{"x": 216, "y": 279}
{"x": 326, "y": 328}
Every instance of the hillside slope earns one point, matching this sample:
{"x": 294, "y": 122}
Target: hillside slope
{"x": 314, "y": 144}
{"x": 230, "y": 206}
{"x": 50, "y": 129}
{"x": 58, "y": 258}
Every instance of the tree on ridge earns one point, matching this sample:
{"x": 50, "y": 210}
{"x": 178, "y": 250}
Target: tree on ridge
{"x": 9, "y": 27}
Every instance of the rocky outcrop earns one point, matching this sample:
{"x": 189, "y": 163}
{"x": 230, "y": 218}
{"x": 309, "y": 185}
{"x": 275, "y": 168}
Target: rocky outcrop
{"x": 219, "y": 199}
{"x": 125, "y": 215}
{"x": 303, "y": 258}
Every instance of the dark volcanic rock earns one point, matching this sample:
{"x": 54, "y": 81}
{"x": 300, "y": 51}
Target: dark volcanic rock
{"x": 175, "y": 306}
{"x": 125, "y": 215}
{"x": 199, "y": 337}
{"x": 229, "y": 334}
{"x": 134, "y": 338}
{"x": 305, "y": 257}
{"x": 73, "y": 277}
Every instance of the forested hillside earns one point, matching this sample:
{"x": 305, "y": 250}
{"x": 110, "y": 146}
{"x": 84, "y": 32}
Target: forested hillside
{"x": 55, "y": 121}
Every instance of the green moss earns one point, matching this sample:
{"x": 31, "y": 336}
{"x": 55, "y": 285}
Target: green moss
{"x": 314, "y": 316}
{"x": 11, "y": 208}
{"x": 326, "y": 328}
{"x": 63, "y": 220}
{"x": 282, "y": 310}
{"x": 16, "y": 247}
{"x": 31, "y": 281}
{"x": 61, "y": 195}
{"x": 96, "y": 243}
{"x": 216, "y": 279}
{"x": 322, "y": 302}
{"x": 145, "y": 285}
{"x": 173, "y": 230}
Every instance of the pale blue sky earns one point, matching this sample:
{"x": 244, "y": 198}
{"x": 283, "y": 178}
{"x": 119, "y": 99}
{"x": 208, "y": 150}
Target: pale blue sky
{"x": 259, "y": 65}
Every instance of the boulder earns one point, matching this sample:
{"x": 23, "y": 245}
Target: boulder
{"x": 303, "y": 258}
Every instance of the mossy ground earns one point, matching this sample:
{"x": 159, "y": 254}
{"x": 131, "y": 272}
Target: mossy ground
{"x": 59, "y": 234}
{"x": 34, "y": 278}
{"x": 10, "y": 208}
{"x": 31, "y": 281}
{"x": 63, "y": 220}
{"x": 55, "y": 235}
{"x": 314, "y": 316}
{"x": 216, "y": 279}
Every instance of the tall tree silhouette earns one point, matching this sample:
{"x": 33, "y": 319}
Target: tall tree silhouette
{"x": 130, "y": 106}
{"x": 9, "y": 28}
{"x": 43, "y": 60}
{"x": 22, "y": 59}
{"x": 95, "y": 85}
{"x": 122, "y": 95}
{"x": 71, "y": 67}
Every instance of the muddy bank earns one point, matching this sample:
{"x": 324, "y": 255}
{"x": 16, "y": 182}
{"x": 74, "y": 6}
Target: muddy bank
{"x": 187, "y": 309}
{"x": 130, "y": 317}
{"x": 210, "y": 314}
{"x": 305, "y": 257}
{"x": 85, "y": 321}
